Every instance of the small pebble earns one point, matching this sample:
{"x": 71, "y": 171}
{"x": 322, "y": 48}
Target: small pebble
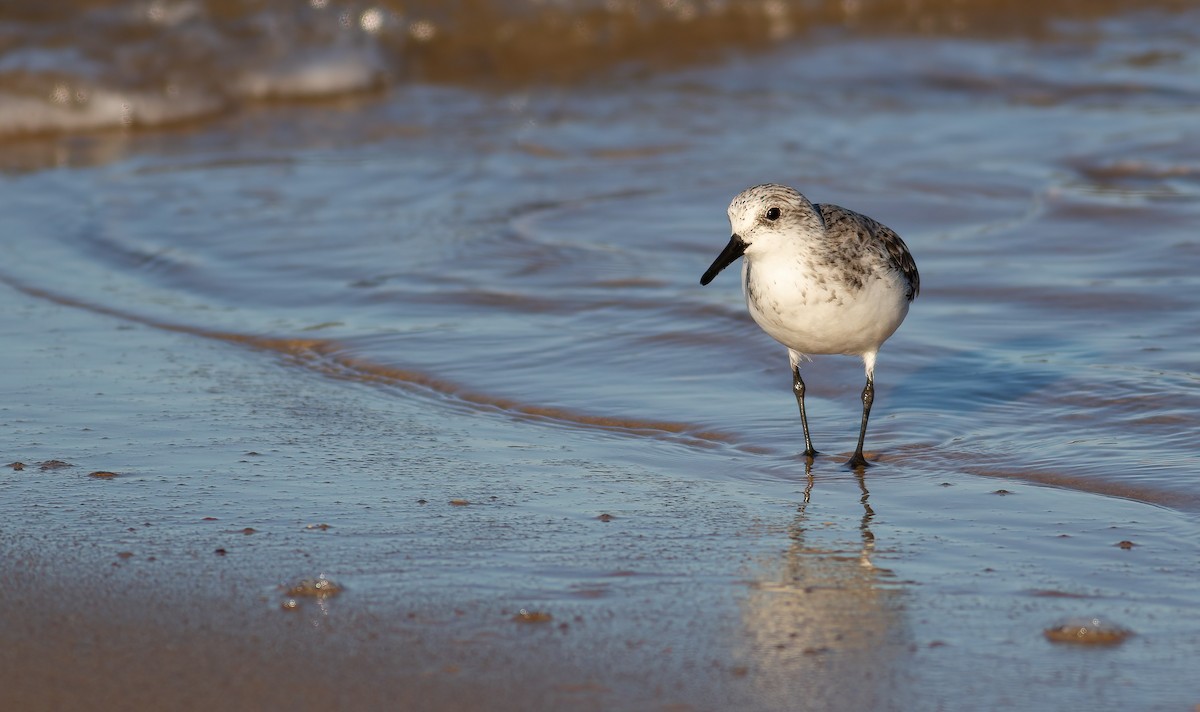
{"x": 320, "y": 587}
{"x": 524, "y": 616}
{"x": 1091, "y": 631}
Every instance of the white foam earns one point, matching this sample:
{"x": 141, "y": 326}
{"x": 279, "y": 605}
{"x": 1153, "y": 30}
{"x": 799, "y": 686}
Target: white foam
{"x": 326, "y": 73}
{"x": 66, "y": 109}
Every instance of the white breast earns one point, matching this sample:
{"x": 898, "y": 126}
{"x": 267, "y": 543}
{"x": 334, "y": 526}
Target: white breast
{"x": 790, "y": 303}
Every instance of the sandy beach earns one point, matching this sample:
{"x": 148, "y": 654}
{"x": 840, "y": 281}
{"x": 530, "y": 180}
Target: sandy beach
{"x": 168, "y": 584}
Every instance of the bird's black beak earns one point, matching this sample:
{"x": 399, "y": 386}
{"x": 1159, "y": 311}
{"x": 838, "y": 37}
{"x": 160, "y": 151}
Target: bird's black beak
{"x": 732, "y": 251}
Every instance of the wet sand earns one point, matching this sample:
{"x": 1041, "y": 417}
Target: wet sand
{"x": 693, "y": 593}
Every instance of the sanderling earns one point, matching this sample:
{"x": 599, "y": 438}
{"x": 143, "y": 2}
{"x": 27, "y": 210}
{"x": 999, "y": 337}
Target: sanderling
{"x": 820, "y": 279}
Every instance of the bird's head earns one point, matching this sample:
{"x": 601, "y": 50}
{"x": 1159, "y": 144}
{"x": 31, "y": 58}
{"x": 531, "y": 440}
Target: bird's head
{"x": 765, "y": 219}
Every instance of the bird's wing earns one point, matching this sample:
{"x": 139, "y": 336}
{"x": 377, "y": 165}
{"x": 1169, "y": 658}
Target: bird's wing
{"x": 872, "y": 234}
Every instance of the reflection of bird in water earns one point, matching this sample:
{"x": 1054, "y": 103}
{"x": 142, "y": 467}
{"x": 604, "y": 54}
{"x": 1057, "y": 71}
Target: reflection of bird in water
{"x": 826, "y": 622}
{"x": 864, "y": 526}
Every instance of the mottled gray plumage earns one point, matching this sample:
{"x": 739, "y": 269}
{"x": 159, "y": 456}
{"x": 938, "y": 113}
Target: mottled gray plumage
{"x": 850, "y": 232}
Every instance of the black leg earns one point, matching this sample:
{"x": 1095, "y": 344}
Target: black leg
{"x": 798, "y": 389}
{"x": 868, "y": 397}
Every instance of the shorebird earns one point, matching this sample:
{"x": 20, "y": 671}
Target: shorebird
{"x": 819, "y": 279}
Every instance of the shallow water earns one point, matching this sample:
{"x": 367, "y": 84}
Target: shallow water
{"x": 428, "y": 290}
{"x": 538, "y": 251}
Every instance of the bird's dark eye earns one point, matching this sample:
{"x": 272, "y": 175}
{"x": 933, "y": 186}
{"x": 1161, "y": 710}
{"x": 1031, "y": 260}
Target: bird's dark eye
{"x": 773, "y": 214}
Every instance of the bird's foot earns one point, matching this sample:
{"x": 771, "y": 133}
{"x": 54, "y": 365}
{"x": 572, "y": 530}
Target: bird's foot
{"x": 810, "y": 453}
{"x": 857, "y": 462}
